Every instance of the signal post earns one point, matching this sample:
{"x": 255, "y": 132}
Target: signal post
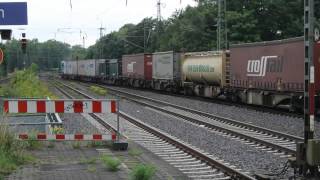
{"x": 307, "y": 158}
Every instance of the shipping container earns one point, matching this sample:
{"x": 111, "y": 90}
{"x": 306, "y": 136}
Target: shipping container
{"x": 166, "y": 65}
{"x": 207, "y": 68}
{"x": 275, "y": 65}
{"x": 101, "y": 68}
{"x": 113, "y": 68}
{"x": 137, "y": 66}
{"x": 87, "y": 68}
{"x": 70, "y": 67}
{"x": 271, "y": 73}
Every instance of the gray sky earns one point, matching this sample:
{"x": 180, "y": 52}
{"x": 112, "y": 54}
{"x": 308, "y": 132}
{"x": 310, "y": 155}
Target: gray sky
{"x": 47, "y": 16}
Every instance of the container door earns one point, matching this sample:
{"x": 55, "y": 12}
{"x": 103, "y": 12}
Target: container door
{"x": 148, "y": 67}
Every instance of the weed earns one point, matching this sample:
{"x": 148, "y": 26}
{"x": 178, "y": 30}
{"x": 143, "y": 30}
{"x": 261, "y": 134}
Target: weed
{"x": 92, "y": 169}
{"x": 57, "y": 130}
{"x": 32, "y": 142}
{"x": 143, "y": 172}
{"x": 88, "y": 161}
{"x": 95, "y": 144}
{"x": 98, "y": 90}
{"x": 111, "y": 163}
{"x": 51, "y": 144}
{"x": 12, "y": 152}
{"x": 135, "y": 152}
{"x": 76, "y": 145}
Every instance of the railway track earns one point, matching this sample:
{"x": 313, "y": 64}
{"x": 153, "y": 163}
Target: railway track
{"x": 262, "y": 138}
{"x": 94, "y": 116}
{"x": 190, "y": 160}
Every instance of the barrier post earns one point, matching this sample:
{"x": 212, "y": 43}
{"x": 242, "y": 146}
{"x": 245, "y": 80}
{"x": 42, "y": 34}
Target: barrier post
{"x": 118, "y": 123}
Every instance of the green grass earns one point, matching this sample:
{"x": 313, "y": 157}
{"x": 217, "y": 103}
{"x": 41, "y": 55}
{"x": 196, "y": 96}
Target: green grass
{"x": 143, "y": 172}
{"x": 98, "y": 90}
{"x": 111, "y": 163}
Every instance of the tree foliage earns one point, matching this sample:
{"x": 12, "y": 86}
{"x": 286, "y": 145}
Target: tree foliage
{"x": 195, "y": 28}
{"x": 190, "y": 29}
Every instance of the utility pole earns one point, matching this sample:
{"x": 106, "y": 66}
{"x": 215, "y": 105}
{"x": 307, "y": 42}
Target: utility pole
{"x": 219, "y": 26}
{"x": 222, "y": 25}
{"x": 159, "y": 10}
{"x": 144, "y": 36}
{"x": 101, "y": 29}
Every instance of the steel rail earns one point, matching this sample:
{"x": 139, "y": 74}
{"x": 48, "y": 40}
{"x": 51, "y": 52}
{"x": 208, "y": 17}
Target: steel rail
{"x": 235, "y": 174}
{"x": 101, "y": 121}
{"x": 222, "y": 129}
{"x": 220, "y": 119}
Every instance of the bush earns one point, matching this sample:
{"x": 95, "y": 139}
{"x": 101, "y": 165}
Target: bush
{"x": 143, "y": 172}
{"x": 111, "y": 163}
{"x": 26, "y": 84}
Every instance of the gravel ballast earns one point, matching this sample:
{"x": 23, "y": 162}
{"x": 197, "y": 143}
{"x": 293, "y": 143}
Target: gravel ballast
{"x": 232, "y": 151}
{"x": 285, "y": 124}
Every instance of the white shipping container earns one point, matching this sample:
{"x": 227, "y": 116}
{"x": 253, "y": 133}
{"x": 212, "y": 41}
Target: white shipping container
{"x": 87, "y": 67}
{"x": 166, "y": 65}
{"x": 70, "y": 67}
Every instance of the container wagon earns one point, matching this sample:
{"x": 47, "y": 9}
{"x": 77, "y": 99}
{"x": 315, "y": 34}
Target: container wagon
{"x": 205, "y": 73}
{"x": 69, "y": 69}
{"x": 113, "y": 71}
{"x": 271, "y": 73}
{"x": 87, "y": 69}
{"x": 137, "y": 70}
{"x": 166, "y": 71}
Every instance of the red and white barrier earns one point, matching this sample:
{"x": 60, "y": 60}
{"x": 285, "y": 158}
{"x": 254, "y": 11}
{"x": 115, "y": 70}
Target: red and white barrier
{"x": 59, "y": 106}
{"x": 68, "y": 137}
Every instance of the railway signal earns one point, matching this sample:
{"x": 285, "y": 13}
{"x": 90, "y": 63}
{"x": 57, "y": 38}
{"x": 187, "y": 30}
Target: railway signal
{"x": 307, "y": 158}
{"x": 24, "y": 43}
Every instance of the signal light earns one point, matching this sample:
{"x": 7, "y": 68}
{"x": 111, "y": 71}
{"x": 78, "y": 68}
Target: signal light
{"x": 24, "y": 45}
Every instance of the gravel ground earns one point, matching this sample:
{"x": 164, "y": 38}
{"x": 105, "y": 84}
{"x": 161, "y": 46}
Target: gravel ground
{"x": 232, "y": 151}
{"x": 290, "y": 125}
{"x": 26, "y": 128}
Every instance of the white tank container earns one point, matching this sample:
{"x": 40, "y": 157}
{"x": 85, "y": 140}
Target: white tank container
{"x": 204, "y": 68}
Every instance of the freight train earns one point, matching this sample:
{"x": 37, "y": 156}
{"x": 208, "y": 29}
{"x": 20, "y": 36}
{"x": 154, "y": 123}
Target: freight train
{"x": 264, "y": 73}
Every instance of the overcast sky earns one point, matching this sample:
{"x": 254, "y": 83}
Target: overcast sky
{"x": 46, "y": 17}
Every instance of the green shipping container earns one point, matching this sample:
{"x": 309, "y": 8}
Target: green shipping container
{"x": 113, "y": 69}
{"x": 101, "y": 67}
